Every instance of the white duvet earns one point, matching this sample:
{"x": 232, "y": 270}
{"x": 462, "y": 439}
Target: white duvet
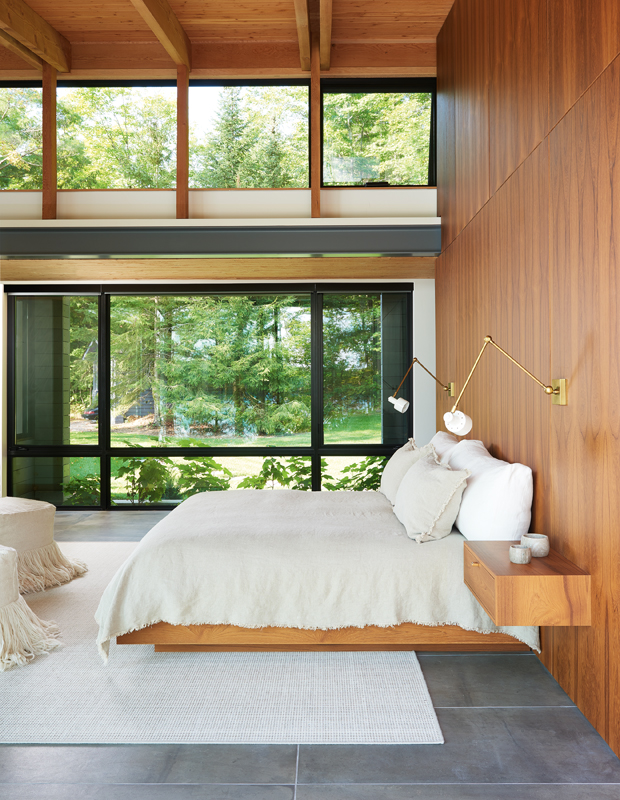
{"x": 290, "y": 559}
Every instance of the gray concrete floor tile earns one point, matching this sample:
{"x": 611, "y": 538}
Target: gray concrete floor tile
{"x": 148, "y": 764}
{"x": 544, "y": 745}
{"x": 460, "y": 792}
{"x": 501, "y": 679}
{"x": 105, "y": 526}
{"x": 130, "y": 791}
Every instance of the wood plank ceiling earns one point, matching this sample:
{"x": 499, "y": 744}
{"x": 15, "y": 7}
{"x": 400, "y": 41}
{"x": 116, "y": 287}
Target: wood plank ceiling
{"x": 218, "y": 38}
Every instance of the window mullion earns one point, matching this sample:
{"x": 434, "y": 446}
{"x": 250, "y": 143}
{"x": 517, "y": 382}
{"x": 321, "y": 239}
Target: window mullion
{"x": 316, "y": 387}
{"x": 105, "y": 390}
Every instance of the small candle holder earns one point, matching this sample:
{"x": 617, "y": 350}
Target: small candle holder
{"x": 520, "y": 554}
{"x": 538, "y": 544}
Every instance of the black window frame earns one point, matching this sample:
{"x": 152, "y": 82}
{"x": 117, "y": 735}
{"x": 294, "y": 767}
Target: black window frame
{"x": 105, "y": 452}
{"x": 386, "y": 86}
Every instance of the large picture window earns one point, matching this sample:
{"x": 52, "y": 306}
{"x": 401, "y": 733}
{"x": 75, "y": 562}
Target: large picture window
{"x": 140, "y": 400}
{"x": 378, "y": 132}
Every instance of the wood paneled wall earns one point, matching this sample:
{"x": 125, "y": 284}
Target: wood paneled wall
{"x": 529, "y": 187}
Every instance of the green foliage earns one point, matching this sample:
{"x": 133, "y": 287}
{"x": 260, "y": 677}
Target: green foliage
{"x": 83, "y": 352}
{"x": 216, "y": 365}
{"x": 82, "y": 491}
{"x": 351, "y": 357}
{"x": 295, "y": 472}
{"x": 126, "y": 135}
{"x": 274, "y": 470}
{"x": 20, "y": 138}
{"x": 146, "y": 478}
{"x": 376, "y": 137}
{"x": 300, "y": 472}
{"x": 202, "y": 475}
{"x": 259, "y": 140}
{"x": 121, "y": 137}
{"x": 362, "y": 476}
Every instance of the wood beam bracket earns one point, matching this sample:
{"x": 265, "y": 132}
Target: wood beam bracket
{"x": 36, "y": 36}
{"x": 326, "y": 33}
{"x": 164, "y": 23}
{"x": 303, "y": 32}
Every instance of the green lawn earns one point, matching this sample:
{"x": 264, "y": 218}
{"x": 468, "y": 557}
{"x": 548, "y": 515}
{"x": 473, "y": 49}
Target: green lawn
{"x": 357, "y": 429}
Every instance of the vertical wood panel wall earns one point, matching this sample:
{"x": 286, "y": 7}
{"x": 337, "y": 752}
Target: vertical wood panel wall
{"x": 529, "y": 104}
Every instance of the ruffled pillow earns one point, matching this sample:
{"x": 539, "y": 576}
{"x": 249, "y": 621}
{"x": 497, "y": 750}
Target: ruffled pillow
{"x": 396, "y": 468}
{"x": 428, "y": 499}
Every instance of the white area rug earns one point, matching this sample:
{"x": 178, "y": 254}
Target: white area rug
{"x": 70, "y": 697}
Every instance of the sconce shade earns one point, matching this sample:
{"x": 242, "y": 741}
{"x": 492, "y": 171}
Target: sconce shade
{"x": 457, "y": 423}
{"x": 400, "y": 404}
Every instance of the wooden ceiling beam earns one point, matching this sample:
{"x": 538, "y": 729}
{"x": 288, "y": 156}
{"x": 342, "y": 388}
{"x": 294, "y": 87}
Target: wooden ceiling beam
{"x": 303, "y": 33}
{"x": 326, "y": 33}
{"x": 18, "y": 48}
{"x": 162, "y": 20}
{"x": 29, "y": 29}
{"x": 221, "y": 269}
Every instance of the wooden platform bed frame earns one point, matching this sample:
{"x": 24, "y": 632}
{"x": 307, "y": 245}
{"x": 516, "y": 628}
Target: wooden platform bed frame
{"x": 230, "y": 638}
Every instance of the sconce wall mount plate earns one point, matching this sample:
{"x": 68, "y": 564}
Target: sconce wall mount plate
{"x": 559, "y": 398}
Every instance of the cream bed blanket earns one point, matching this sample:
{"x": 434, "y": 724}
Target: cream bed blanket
{"x": 290, "y": 559}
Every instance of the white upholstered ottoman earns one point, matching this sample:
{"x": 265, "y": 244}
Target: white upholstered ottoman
{"x": 28, "y": 527}
{"x": 22, "y": 634}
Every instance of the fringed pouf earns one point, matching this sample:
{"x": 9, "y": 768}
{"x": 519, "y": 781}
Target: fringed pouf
{"x": 22, "y": 634}
{"x": 28, "y": 527}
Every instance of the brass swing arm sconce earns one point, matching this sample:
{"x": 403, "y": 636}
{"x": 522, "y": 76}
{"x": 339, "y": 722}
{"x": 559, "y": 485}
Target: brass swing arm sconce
{"x": 460, "y": 424}
{"x": 401, "y": 404}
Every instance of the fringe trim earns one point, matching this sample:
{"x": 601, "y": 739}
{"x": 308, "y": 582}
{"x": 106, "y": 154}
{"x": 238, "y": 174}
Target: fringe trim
{"x": 43, "y": 567}
{"x": 427, "y": 536}
{"x": 23, "y": 635}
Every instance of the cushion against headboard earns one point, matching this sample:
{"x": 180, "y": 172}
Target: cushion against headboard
{"x": 398, "y": 465}
{"x": 444, "y": 443}
{"x": 497, "y": 503}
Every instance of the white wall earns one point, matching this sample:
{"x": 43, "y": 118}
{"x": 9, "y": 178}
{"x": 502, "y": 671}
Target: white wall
{"x": 424, "y": 387}
{"x": 254, "y": 204}
{"x": 21, "y": 205}
{"x": 392, "y": 202}
{"x": 119, "y": 204}
{"x": 224, "y": 204}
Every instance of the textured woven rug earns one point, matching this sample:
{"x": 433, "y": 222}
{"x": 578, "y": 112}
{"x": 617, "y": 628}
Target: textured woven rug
{"x": 70, "y": 697}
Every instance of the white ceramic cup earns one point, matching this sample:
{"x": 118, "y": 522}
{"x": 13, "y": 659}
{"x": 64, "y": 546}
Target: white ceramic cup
{"x": 538, "y": 544}
{"x": 520, "y": 554}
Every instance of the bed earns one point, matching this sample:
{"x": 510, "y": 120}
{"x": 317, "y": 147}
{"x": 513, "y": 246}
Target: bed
{"x": 290, "y": 570}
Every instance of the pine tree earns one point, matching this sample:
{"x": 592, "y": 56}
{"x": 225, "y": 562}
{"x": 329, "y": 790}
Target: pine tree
{"x": 227, "y": 148}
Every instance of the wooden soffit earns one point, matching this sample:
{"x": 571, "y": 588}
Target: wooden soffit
{"x": 261, "y": 38}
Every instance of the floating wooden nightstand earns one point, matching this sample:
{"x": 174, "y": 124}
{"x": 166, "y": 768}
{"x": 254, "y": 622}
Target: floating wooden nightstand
{"x": 547, "y": 591}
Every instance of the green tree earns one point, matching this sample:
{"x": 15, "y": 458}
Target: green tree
{"x": 231, "y": 365}
{"x": 351, "y": 355}
{"x": 376, "y": 136}
{"x": 146, "y": 478}
{"x": 83, "y": 352}
{"x": 20, "y": 138}
{"x": 260, "y": 139}
{"x": 225, "y": 152}
{"x": 128, "y": 136}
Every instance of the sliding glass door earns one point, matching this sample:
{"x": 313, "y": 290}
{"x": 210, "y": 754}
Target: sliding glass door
{"x": 133, "y": 400}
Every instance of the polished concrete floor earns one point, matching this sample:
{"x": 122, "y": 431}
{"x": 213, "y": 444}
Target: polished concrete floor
{"x": 511, "y": 733}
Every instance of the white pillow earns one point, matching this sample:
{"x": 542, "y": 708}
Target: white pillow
{"x": 396, "y": 468}
{"x": 497, "y": 503}
{"x": 428, "y": 499}
{"x": 444, "y": 443}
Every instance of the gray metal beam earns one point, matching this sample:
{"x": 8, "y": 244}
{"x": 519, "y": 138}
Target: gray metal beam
{"x": 212, "y": 241}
